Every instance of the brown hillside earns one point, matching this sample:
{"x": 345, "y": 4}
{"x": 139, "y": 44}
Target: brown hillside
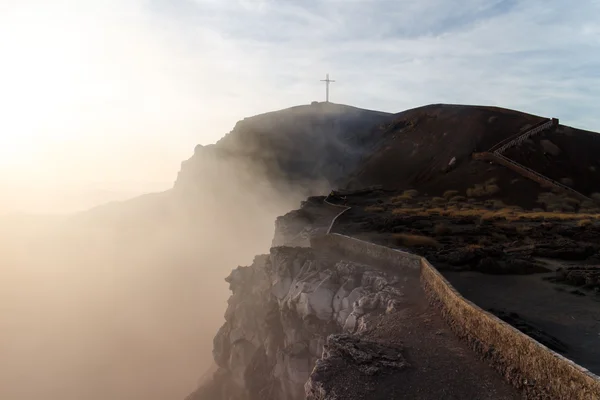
{"x": 417, "y": 147}
{"x": 419, "y": 144}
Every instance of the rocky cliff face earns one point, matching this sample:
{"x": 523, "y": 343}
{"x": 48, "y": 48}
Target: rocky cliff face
{"x": 282, "y": 309}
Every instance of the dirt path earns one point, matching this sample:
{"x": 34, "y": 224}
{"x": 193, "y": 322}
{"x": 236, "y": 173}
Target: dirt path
{"x": 440, "y": 365}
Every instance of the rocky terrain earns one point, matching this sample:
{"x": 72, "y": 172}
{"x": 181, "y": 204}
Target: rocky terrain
{"x": 304, "y": 323}
{"x": 543, "y": 256}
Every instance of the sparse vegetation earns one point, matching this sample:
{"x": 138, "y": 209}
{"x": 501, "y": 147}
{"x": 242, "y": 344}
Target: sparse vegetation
{"x": 408, "y": 240}
{"x": 458, "y": 199}
{"x": 567, "y": 181}
{"x": 558, "y": 202}
{"x": 506, "y": 213}
{"x": 442, "y": 229}
{"x": 438, "y": 200}
{"x": 450, "y": 193}
{"x": 400, "y": 199}
{"x": 407, "y": 195}
{"x": 481, "y": 190}
{"x": 495, "y": 204}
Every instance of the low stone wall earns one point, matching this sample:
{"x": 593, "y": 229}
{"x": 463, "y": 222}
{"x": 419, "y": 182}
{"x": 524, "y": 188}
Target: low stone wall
{"x": 527, "y": 364}
{"x": 362, "y": 251}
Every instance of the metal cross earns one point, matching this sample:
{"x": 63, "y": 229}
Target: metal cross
{"x": 327, "y": 82}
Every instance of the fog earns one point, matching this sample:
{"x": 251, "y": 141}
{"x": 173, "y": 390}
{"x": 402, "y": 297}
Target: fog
{"x": 122, "y": 301}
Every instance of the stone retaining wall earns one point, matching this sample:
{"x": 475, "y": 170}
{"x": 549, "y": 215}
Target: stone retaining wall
{"x": 527, "y": 364}
{"x": 362, "y": 251}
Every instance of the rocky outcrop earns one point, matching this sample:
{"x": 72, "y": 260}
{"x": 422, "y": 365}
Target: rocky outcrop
{"x": 364, "y": 358}
{"x": 282, "y": 309}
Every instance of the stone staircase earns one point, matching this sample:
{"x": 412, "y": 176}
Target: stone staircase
{"x": 495, "y": 154}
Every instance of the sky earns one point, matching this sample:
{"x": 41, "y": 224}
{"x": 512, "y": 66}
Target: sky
{"x": 102, "y": 100}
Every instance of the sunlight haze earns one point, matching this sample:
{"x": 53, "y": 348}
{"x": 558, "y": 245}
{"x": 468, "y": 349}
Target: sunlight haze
{"x": 117, "y": 232}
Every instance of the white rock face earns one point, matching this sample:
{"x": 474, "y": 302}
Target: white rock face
{"x": 282, "y": 309}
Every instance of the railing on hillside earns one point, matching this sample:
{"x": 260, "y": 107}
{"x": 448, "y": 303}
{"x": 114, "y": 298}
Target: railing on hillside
{"x": 515, "y": 136}
{"x": 501, "y": 148}
{"x": 527, "y": 172}
{"x": 495, "y": 154}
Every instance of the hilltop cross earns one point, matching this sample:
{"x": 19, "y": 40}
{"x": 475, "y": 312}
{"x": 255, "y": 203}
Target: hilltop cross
{"x": 327, "y": 82}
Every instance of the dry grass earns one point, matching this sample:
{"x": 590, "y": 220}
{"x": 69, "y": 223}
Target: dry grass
{"x": 487, "y": 189}
{"x": 400, "y": 199}
{"x": 442, "y": 229}
{"x": 450, "y": 193}
{"x": 458, "y": 199}
{"x": 374, "y": 208}
{"x": 407, "y": 195}
{"x": 438, "y": 200}
{"x": 408, "y": 240}
{"x": 505, "y": 213}
{"x": 558, "y": 202}
{"x": 584, "y": 223}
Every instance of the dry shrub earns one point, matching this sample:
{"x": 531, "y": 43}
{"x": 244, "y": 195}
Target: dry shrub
{"x": 480, "y": 190}
{"x": 438, "y": 200}
{"x": 558, "y": 208}
{"x": 442, "y": 229}
{"x": 524, "y": 229}
{"x": 584, "y": 222}
{"x": 572, "y": 201}
{"x": 374, "y": 208}
{"x": 505, "y": 213}
{"x": 408, "y": 240}
{"x": 495, "y": 204}
{"x": 405, "y": 196}
{"x": 458, "y": 199}
{"x": 450, "y": 193}
{"x": 400, "y": 199}
{"x": 588, "y": 204}
{"x": 558, "y": 202}
{"x": 566, "y": 181}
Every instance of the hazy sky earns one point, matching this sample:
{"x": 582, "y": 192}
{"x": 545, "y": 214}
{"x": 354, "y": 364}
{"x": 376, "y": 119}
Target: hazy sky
{"x": 103, "y": 99}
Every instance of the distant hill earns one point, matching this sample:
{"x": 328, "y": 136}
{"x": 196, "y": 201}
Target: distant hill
{"x": 417, "y": 147}
{"x": 299, "y": 146}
